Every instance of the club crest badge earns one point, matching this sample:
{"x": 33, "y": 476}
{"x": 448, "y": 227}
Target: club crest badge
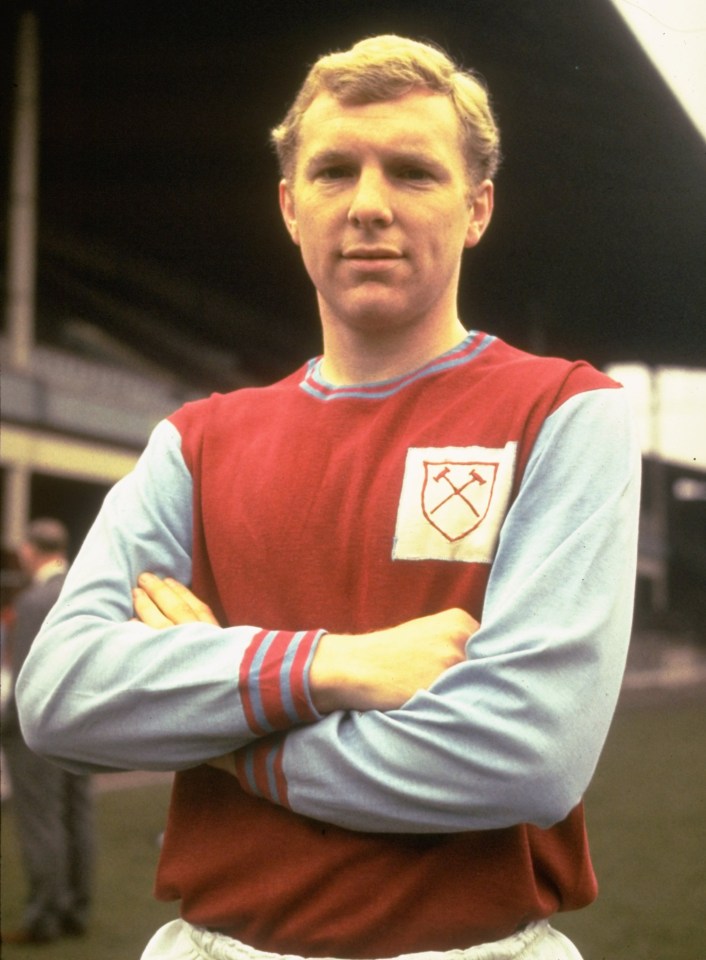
{"x": 456, "y": 496}
{"x": 453, "y": 503}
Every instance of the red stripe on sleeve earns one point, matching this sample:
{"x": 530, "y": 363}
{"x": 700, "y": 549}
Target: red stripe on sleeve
{"x": 274, "y": 680}
{"x": 252, "y": 764}
{"x": 270, "y": 680}
{"x": 259, "y": 754}
{"x": 280, "y": 779}
{"x": 246, "y": 679}
{"x": 299, "y": 678}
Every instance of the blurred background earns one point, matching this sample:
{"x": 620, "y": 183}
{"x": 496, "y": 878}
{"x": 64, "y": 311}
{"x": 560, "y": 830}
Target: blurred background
{"x": 146, "y": 263}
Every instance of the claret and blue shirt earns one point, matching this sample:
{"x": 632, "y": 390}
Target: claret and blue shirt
{"x": 489, "y": 479}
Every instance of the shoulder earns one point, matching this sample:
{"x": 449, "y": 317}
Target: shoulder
{"x": 198, "y": 413}
{"x": 221, "y": 416}
{"x": 554, "y": 378}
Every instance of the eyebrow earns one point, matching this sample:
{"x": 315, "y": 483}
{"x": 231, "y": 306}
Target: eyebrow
{"x": 325, "y": 157}
{"x": 410, "y": 157}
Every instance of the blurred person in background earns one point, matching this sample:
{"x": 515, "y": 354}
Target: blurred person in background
{"x": 12, "y": 580}
{"x": 411, "y": 568}
{"x": 52, "y": 807}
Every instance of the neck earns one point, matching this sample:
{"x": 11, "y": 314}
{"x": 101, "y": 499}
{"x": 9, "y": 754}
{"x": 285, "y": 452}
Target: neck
{"x": 368, "y": 356}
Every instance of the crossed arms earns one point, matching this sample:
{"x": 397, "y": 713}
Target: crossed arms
{"x": 442, "y": 742}
{"x": 376, "y": 671}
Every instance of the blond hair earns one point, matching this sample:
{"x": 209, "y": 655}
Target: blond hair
{"x": 385, "y": 68}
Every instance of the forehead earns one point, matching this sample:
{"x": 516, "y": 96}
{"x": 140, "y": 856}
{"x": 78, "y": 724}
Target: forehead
{"x": 420, "y": 121}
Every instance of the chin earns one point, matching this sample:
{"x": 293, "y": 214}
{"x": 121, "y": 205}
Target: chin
{"x": 377, "y": 316}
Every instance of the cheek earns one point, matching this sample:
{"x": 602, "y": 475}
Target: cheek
{"x": 444, "y": 240}
{"x": 314, "y": 256}
{"x": 310, "y": 261}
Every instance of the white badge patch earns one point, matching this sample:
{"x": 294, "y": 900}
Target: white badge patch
{"x": 453, "y": 503}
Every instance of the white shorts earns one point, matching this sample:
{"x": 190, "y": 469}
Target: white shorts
{"x": 180, "y": 940}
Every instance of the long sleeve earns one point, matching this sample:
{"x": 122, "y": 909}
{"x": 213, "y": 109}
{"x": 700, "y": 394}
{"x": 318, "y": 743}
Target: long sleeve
{"x": 513, "y": 734}
{"x": 101, "y": 692}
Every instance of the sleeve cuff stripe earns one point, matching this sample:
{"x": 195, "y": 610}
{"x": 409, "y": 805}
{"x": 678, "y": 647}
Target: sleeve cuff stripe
{"x": 261, "y": 772}
{"x": 252, "y": 693}
{"x": 304, "y": 654}
{"x": 286, "y": 676}
{"x": 274, "y": 680}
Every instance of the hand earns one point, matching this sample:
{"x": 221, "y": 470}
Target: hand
{"x": 382, "y": 670}
{"x": 165, "y": 602}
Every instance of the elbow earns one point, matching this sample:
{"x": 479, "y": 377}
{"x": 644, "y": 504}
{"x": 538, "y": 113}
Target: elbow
{"x": 58, "y": 743}
{"x": 35, "y": 736}
{"x": 41, "y": 730}
{"x": 555, "y": 806}
{"x": 50, "y": 727}
{"x": 555, "y": 790}
{"x": 52, "y": 734}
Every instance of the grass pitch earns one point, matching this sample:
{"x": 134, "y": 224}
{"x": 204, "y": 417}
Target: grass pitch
{"x": 646, "y": 813}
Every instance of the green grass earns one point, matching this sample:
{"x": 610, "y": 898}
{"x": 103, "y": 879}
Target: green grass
{"x": 647, "y": 822}
{"x": 646, "y": 811}
{"x": 125, "y": 914}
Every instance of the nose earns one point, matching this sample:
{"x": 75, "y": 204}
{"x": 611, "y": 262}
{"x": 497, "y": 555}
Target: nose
{"x": 370, "y": 204}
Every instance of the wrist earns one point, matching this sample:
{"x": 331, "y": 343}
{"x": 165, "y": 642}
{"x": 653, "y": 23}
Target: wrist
{"x": 322, "y": 679}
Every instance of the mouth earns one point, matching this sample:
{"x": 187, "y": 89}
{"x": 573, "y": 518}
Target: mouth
{"x": 371, "y": 253}
{"x": 372, "y": 260}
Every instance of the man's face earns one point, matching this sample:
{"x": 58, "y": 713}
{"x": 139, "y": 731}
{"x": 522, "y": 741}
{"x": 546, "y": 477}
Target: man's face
{"x": 382, "y": 208}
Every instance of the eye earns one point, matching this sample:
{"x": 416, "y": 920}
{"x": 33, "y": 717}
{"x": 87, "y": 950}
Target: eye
{"x": 334, "y": 172}
{"x": 415, "y": 174}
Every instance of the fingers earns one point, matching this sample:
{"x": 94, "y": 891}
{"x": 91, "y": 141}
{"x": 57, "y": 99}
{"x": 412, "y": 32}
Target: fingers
{"x": 166, "y": 602}
{"x": 147, "y": 611}
{"x": 202, "y": 611}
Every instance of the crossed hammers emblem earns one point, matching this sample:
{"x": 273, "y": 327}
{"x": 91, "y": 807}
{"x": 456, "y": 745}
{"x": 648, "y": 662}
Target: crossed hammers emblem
{"x": 456, "y": 496}
{"x": 444, "y": 474}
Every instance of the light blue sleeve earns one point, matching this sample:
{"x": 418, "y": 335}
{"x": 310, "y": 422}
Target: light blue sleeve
{"x": 100, "y": 692}
{"x": 513, "y": 734}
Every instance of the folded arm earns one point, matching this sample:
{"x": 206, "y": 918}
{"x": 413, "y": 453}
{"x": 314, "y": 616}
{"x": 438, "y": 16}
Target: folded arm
{"x": 101, "y": 690}
{"x": 131, "y": 670}
{"x": 509, "y": 732}
{"x": 513, "y": 733}
{"x": 380, "y": 670}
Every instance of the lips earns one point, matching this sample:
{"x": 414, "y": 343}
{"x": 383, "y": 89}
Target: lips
{"x": 372, "y": 262}
{"x": 371, "y": 253}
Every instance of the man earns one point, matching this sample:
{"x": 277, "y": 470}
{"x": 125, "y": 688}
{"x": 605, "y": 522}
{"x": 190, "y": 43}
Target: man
{"x": 420, "y": 548}
{"x": 52, "y": 808}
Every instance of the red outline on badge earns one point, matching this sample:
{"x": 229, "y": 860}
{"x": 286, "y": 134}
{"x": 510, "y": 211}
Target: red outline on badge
{"x": 458, "y": 491}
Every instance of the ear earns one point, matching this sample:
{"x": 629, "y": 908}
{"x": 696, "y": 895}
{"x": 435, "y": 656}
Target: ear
{"x": 480, "y": 212}
{"x": 286, "y": 205}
